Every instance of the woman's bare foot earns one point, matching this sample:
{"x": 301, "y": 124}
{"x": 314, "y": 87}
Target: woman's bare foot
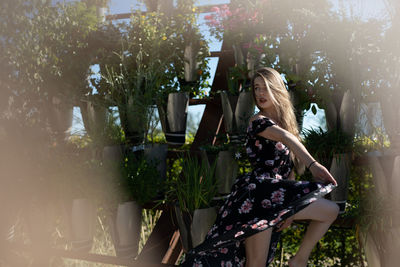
{"x": 295, "y": 262}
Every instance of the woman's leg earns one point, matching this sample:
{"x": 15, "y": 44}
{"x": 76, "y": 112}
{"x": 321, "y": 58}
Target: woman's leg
{"x": 322, "y": 213}
{"x": 257, "y": 247}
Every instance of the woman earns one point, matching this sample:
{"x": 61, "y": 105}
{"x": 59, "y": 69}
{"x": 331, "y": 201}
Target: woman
{"x": 268, "y": 199}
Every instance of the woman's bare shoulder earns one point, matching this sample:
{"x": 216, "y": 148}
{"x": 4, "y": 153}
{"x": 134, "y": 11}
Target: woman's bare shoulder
{"x": 255, "y": 117}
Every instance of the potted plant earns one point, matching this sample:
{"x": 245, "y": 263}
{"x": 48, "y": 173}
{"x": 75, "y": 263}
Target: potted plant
{"x": 380, "y": 217}
{"x": 193, "y": 190}
{"x": 333, "y": 149}
{"x": 226, "y": 166}
{"x": 137, "y": 183}
{"x": 137, "y": 76}
{"x": 113, "y": 140}
{"x": 237, "y": 104}
{"x": 187, "y": 75}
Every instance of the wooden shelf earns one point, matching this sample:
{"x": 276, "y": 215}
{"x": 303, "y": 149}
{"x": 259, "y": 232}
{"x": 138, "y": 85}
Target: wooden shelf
{"x": 202, "y": 9}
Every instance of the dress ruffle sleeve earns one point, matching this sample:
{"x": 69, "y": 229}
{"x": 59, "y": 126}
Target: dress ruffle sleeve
{"x": 259, "y": 125}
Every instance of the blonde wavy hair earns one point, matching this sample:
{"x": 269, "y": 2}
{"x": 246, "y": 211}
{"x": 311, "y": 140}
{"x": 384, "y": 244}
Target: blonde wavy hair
{"x": 283, "y": 105}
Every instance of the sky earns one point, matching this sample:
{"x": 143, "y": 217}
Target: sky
{"x": 361, "y": 8}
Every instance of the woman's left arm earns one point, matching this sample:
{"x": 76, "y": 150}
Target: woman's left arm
{"x": 319, "y": 172}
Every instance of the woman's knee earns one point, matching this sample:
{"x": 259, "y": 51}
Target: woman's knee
{"x": 332, "y": 210}
{"x": 321, "y": 210}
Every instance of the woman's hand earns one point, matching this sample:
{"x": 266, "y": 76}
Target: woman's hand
{"x": 321, "y": 174}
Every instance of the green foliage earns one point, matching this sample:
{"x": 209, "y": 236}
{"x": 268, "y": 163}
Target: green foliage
{"x": 237, "y": 80}
{"x": 45, "y": 53}
{"x": 139, "y": 179}
{"x": 195, "y": 187}
{"x": 324, "y": 145}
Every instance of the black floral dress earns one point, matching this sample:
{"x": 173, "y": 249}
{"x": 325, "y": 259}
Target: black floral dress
{"x": 258, "y": 200}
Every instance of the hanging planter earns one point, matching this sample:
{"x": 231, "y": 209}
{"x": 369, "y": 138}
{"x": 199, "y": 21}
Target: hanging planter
{"x": 226, "y": 171}
{"x": 38, "y": 219}
{"x": 371, "y": 249}
{"x": 157, "y": 154}
{"x": 237, "y": 114}
{"x": 194, "y": 228}
{"x": 101, "y": 13}
{"x": 94, "y": 117}
{"x": 82, "y": 224}
{"x": 380, "y": 218}
{"x": 340, "y": 169}
{"x": 125, "y": 229}
{"x": 173, "y": 118}
{"x": 133, "y": 121}
{"x": 113, "y": 154}
{"x": 391, "y": 114}
{"x": 238, "y": 54}
{"x": 60, "y": 118}
{"x": 191, "y": 65}
{"x": 193, "y": 193}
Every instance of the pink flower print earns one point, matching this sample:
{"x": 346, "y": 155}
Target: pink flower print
{"x": 246, "y": 206}
{"x": 279, "y": 146}
{"x": 283, "y": 212}
{"x": 266, "y": 204}
{"x": 230, "y": 203}
{"x": 254, "y": 226}
{"x": 257, "y": 144}
{"x": 228, "y": 264}
{"x": 269, "y": 162}
{"x": 228, "y": 227}
{"x": 287, "y": 152}
{"x": 239, "y": 233}
{"x": 277, "y": 176}
{"x": 197, "y": 264}
{"x": 274, "y": 181}
{"x": 262, "y": 177}
{"x": 278, "y": 196}
{"x": 306, "y": 190}
{"x": 251, "y": 186}
{"x": 224, "y": 214}
{"x": 224, "y": 250}
{"x": 261, "y": 225}
{"x": 274, "y": 221}
{"x": 275, "y": 170}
